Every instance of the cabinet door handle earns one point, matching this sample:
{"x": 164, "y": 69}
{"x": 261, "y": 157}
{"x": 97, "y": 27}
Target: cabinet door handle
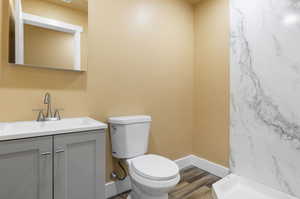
{"x": 46, "y": 154}
{"x": 60, "y": 151}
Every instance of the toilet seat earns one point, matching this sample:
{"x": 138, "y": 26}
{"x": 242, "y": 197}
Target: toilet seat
{"x": 155, "y": 168}
{"x": 152, "y": 186}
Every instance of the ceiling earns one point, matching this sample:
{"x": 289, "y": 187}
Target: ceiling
{"x": 81, "y": 5}
{"x": 193, "y": 1}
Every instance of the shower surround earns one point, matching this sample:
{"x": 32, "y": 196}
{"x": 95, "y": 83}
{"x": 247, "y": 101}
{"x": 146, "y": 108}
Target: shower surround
{"x": 265, "y": 92}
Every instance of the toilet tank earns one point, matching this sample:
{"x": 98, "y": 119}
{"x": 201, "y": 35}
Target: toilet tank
{"x": 129, "y": 135}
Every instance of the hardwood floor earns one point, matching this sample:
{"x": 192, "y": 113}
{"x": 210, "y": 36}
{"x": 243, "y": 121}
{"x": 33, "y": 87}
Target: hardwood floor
{"x": 194, "y": 184}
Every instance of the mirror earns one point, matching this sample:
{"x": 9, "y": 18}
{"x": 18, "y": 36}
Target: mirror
{"x": 49, "y": 33}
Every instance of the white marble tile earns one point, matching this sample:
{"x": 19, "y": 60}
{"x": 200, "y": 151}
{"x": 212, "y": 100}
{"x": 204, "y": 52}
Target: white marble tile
{"x": 265, "y": 92}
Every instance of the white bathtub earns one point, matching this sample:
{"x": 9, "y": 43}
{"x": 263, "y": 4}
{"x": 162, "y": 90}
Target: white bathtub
{"x": 236, "y": 187}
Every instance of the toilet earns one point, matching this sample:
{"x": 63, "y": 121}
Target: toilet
{"x": 152, "y": 176}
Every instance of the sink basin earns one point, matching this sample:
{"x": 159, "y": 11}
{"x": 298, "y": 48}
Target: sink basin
{"x": 18, "y": 130}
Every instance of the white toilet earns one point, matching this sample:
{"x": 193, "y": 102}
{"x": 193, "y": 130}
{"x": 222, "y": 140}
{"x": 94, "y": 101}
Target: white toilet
{"x": 152, "y": 176}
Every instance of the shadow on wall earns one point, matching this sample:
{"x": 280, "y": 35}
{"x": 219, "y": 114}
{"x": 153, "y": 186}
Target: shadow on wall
{"x": 13, "y": 76}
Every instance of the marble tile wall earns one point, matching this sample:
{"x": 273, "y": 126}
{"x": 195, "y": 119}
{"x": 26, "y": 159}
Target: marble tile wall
{"x": 265, "y": 92}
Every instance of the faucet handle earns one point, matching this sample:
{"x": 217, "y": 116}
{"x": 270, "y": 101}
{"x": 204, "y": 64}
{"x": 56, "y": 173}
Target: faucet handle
{"x": 57, "y": 114}
{"x": 41, "y": 116}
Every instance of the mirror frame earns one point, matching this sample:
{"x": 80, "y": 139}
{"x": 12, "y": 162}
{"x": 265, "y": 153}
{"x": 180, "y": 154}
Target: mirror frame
{"x": 22, "y": 18}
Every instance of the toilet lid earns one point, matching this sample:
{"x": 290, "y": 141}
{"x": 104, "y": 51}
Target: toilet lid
{"x": 155, "y": 167}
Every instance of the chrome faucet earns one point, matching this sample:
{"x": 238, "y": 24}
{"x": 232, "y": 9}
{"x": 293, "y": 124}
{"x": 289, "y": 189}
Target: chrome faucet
{"x": 47, "y": 100}
{"x": 49, "y": 113}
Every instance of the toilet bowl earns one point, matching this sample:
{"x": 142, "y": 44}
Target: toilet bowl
{"x": 152, "y": 176}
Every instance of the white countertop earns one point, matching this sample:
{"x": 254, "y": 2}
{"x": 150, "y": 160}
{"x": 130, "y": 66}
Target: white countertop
{"x": 27, "y": 129}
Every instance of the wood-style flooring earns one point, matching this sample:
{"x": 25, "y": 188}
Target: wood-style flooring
{"x": 194, "y": 184}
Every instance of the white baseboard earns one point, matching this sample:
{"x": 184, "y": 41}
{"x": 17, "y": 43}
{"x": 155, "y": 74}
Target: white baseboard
{"x": 211, "y": 167}
{"x": 184, "y": 162}
{"x": 118, "y": 187}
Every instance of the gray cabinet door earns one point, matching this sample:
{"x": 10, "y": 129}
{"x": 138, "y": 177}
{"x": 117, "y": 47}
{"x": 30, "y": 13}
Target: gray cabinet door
{"x": 79, "y": 165}
{"x": 26, "y": 169}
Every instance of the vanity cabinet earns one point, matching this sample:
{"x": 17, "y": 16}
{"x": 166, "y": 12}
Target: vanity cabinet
{"x": 26, "y": 169}
{"x": 65, "y": 166}
{"x": 78, "y": 166}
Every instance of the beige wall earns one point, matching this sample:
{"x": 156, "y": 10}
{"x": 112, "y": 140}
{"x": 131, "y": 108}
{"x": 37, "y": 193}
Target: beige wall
{"x": 141, "y": 56}
{"x": 212, "y": 80}
{"x": 22, "y": 88}
{"x": 141, "y": 62}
